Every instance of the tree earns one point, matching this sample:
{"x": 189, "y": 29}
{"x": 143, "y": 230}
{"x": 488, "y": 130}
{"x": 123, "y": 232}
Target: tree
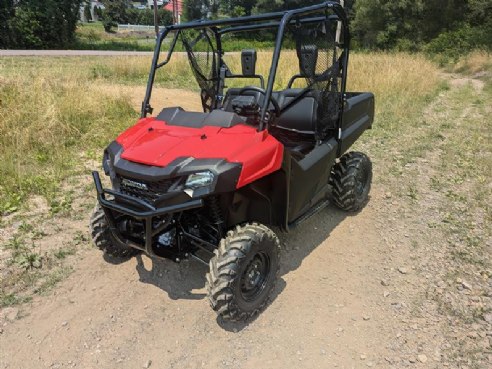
{"x": 6, "y": 13}
{"x": 381, "y": 23}
{"x": 87, "y": 12}
{"x": 199, "y": 9}
{"x": 409, "y": 24}
{"x": 121, "y": 11}
{"x": 468, "y": 27}
{"x": 479, "y": 12}
{"x": 116, "y": 11}
{"x": 38, "y": 23}
{"x": 98, "y": 13}
{"x": 236, "y": 8}
{"x": 146, "y": 17}
{"x": 479, "y": 16}
{"x": 193, "y": 9}
{"x": 441, "y": 15}
{"x": 263, "y": 6}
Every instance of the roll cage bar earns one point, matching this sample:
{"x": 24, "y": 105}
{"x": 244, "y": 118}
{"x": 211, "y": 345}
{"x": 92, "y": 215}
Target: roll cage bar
{"x": 278, "y": 20}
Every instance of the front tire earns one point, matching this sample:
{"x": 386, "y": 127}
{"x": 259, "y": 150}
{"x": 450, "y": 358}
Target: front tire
{"x": 351, "y": 181}
{"x": 104, "y": 239}
{"x": 243, "y": 272}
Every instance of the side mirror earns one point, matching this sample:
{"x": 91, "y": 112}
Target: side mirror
{"x": 248, "y": 62}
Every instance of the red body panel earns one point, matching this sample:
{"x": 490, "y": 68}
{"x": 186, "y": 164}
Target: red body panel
{"x": 152, "y": 142}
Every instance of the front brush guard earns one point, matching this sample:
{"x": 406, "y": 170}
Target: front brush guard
{"x": 140, "y": 210}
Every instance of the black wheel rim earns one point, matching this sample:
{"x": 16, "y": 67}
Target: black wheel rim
{"x": 254, "y": 277}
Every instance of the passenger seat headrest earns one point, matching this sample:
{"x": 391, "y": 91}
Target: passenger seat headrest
{"x": 308, "y": 58}
{"x": 248, "y": 62}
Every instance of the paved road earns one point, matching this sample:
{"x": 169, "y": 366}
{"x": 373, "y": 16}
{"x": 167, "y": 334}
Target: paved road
{"x": 73, "y": 53}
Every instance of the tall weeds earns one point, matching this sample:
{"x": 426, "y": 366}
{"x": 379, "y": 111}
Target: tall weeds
{"x": 47, "y": 121}
{"x": 52, "y": 110}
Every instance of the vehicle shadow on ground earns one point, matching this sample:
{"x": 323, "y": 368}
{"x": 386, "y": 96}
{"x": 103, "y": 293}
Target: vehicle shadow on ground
{"x": 179, "y": 280}
{"x": 301, "y": 241}
{"x": 296, "y": 246}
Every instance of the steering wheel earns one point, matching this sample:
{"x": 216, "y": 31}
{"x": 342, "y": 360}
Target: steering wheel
{"x": 274, "y": 102}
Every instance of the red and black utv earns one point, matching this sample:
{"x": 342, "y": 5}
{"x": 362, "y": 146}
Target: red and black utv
{"x": 208, "y": 185}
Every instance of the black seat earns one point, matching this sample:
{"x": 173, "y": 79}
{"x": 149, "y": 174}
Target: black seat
{"x": 299, "y": 117}
{"x": 299, "y": 110}
{"x": 300, "y": 106}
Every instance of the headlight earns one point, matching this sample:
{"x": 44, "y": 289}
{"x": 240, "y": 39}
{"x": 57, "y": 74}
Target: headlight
{"x": 200, "y": 179}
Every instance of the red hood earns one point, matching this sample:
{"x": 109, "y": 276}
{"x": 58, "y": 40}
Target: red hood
{"x": 152, "y": 142}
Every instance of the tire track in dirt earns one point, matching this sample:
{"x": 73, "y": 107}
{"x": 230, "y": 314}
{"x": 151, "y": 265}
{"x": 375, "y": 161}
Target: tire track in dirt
{"x": 326, "y": 312}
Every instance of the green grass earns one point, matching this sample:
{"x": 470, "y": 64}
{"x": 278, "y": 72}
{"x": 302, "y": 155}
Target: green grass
{"x": 12, "y": 299}
{"x": 23, "y": 253}
{"x": 63, "y": 253}
{"x": 31, "y": 271}
{"x": 91, "y": 36}
{"x": 461, "y": 135}
{"x": 438, "y": 163}
{"x": 456, "y": 142}
{"x": 49, "y": 281}
{"x": 467, "y": 176}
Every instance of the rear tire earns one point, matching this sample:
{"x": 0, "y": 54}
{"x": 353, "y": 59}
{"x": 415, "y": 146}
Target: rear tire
{"x": 243, "y": 272}
{"x": 351, "y": 181}
{"x": 104, "y": 239}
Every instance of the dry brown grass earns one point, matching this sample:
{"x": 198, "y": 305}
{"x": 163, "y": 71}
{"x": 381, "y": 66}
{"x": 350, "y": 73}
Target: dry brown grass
{"x": 402, "y": 84}
{"x": 47, "y": 121}
{"x": 53, "y": 110}
{"x": 400, "y": 81}
{"x": 476, "y": 62}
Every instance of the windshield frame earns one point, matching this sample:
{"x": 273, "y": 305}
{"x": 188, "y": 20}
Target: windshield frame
{"x": 277, "y": 20}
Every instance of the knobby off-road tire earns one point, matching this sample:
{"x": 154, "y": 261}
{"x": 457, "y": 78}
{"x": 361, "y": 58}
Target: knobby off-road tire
{"x": 103, "y": 238}
{"x": 243, "y": 272}
{"x": 351, "y": 181}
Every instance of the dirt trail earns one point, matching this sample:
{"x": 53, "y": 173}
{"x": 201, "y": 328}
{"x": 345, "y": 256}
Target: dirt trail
{"x": 344, "y": 300}
{"x": 326, "y": 312}
{"x": 161, "y": 97}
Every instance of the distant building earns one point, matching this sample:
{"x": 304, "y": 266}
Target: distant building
{"x": 150, "y": 3}
{"x": 140, "y": 4}
{"x": 175, "y": 7}
{"x": 93, "y": 5}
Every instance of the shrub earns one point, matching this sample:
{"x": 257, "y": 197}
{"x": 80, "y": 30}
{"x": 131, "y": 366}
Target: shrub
{"x": 146, "y": 17}
{"x": 108, "y": 24}
{"x": 38, "y": 24}
{"x": 450, "y": 46}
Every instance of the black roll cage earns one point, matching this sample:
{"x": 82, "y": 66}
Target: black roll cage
{"x": 278, "y": 20}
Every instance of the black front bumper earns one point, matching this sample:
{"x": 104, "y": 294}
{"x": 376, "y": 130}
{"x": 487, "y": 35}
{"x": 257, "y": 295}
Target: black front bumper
{"x": 137, "y": 209}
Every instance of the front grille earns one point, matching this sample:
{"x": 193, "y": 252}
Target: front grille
{"x": 152, "y": 191}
